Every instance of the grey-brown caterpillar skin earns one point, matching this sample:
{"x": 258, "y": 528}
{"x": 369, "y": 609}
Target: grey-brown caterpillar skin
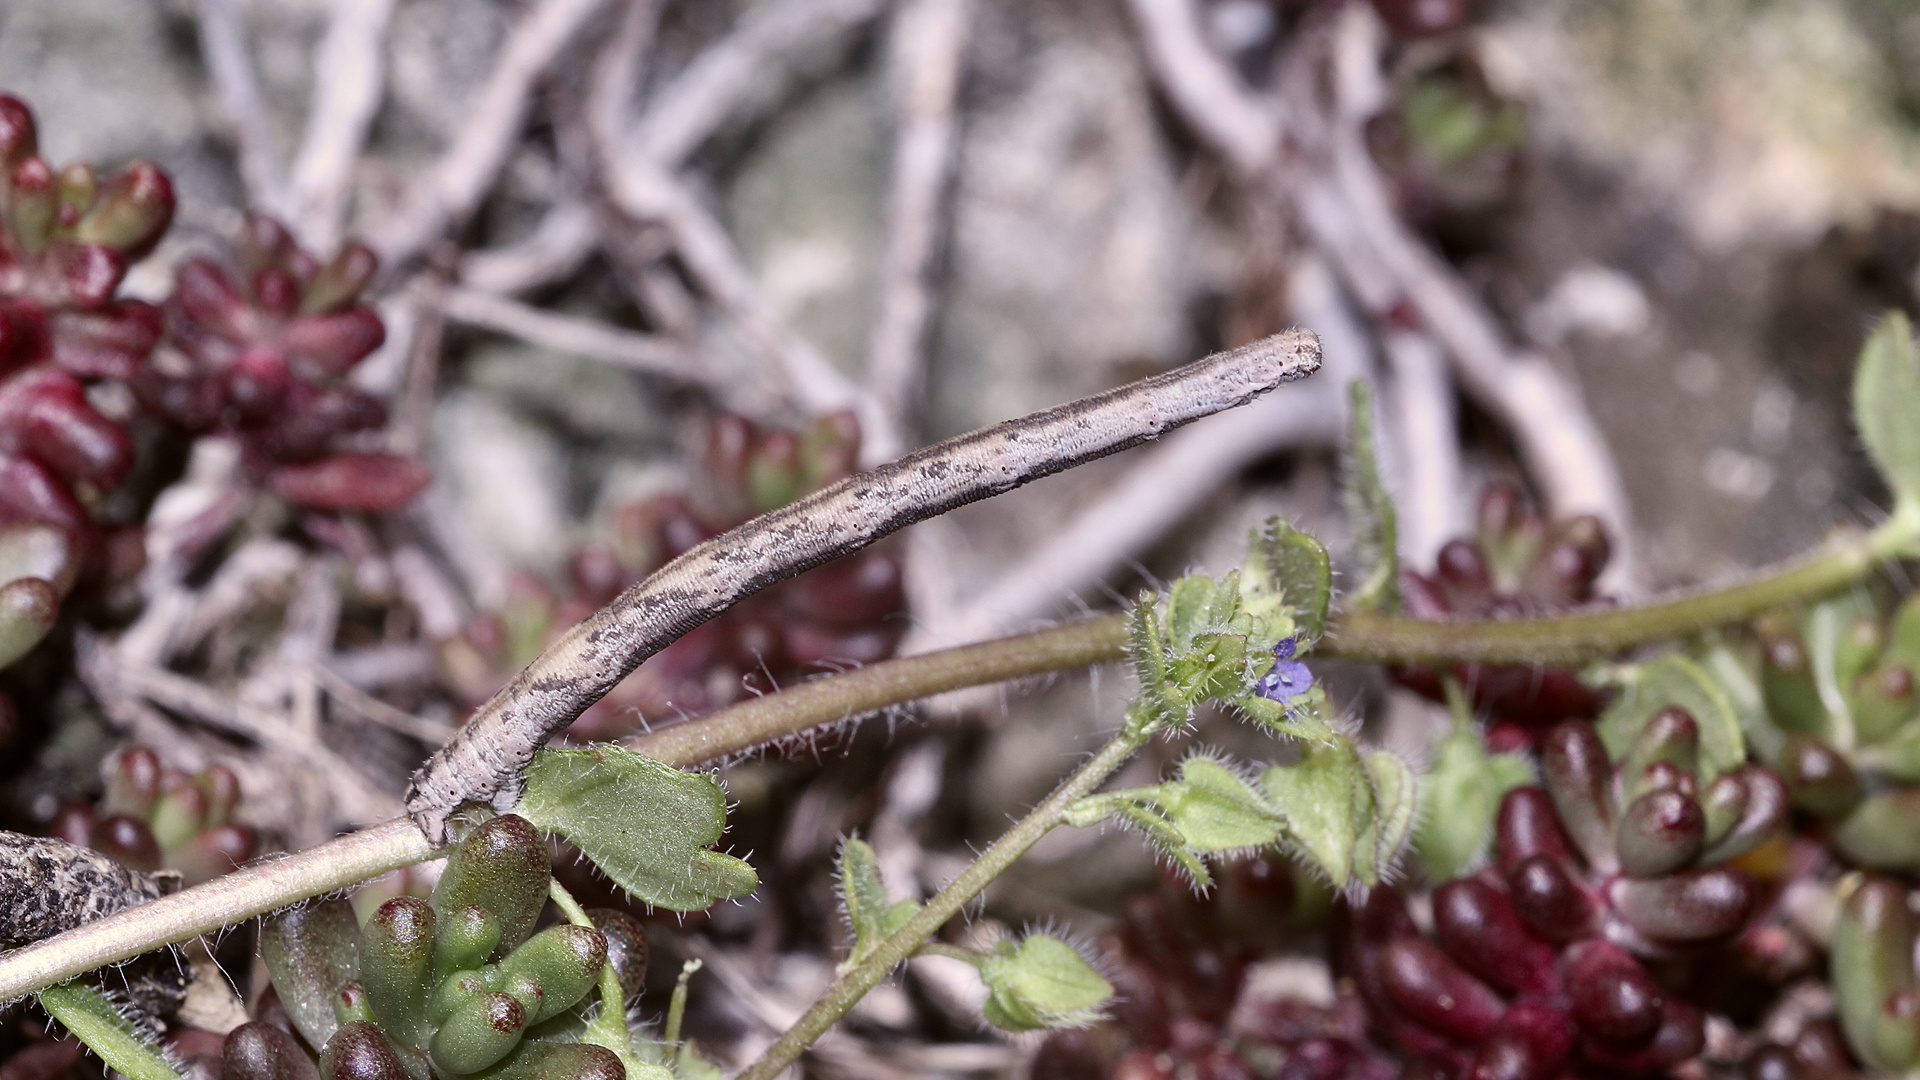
{"x": 483, "y": 761}
{"x": 49, "y": 886}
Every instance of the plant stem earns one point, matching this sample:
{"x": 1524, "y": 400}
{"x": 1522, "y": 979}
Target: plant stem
{"x": 90, "y": 1016}
{"x": 609, "y": 1026}
{"x": 348, "y": 860}
{"x": 220, "y": 903}
{"x": 758, "y": 721}
{"x": 852, "y": 985}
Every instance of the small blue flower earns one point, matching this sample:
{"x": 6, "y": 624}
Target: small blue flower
{"x": 1289, "y": 677}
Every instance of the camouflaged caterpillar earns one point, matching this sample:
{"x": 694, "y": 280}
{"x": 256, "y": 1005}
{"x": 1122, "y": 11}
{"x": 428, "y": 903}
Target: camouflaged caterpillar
{"x": 483, "y": 761}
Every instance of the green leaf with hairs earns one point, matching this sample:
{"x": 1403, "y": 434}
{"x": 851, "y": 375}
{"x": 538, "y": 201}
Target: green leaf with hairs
{"x": 645, "y": 824}
{"x": 1376, "y": 532}
{"x": 1041, "y": 983}
{"x": 1460, "y": 796}
{"x": 1327, "y": 799}
{"x": 1288, "y": 583}
{"x": 1886, "y": 404}
{"x": 125, "y": 1046}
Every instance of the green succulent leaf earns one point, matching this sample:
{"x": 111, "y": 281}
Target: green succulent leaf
{"x": 1886, "y": 404}
{"x": 1675, "y": 680}
{"x": 1879, "y": 832}
{"x": 1369, "y": 510}
{"x": 94, "y": 1019}
{"x": 312, "y": 951}
{"x": 645, "y": 824}
{"x": 503, "y": 868}
{"x": 1041, "y": 983}
{"x": 1872, "y": 959}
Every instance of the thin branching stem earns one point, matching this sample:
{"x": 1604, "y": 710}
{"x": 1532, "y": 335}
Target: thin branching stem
{"x": 853, "y": 984}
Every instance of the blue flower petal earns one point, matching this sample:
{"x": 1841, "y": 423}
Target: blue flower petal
{"x": 1288, "y": 679}
{"x": 1283, "y": 649}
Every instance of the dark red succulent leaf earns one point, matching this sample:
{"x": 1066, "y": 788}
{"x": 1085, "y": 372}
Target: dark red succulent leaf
{"x": 262, "y": 349}
{"x": 1516, "y": 565}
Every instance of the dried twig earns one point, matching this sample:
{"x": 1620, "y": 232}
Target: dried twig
{"x": 1420, "y": 401}
{"x": 223, "y": 45}
{"x": 349, "y": 75}
{"x": 561, "y": 242}
{"x": 645, "y": 190}
{"x": 929, "y": 38}
{"x": 648, "y": 354}
{"x": 1330, "y": 181}
{"x": 452, "y": 190}
{"x": 688, "y": 110}
{"x": 372, "y": 708}
{"x": 483, "y": 762}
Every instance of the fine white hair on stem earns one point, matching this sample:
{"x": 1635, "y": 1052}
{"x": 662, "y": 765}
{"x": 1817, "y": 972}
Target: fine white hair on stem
{"x": 223, "y": 46}
{"x": 484, "y": 760}
{"x": 452, "y": 189}
{"x": 927, "y": 44}
{"x": 349, "y": 77}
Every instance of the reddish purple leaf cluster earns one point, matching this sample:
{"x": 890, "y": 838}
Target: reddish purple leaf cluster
{"x": 1185, "y": 1007}
{"x": 66, "y": 240}
{"x": 1516, "y": 565}
{"x": 263, "y": 351}
{"x": 155, "y": 818}
{"x": 1536, "y": 963}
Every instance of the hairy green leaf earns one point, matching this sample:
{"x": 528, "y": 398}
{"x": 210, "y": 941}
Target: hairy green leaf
{"x": 1395, "y": 797}
{"x": 1886, "y": 404}
{"x": 1327, "y": 799}
{"x": 1460, "y": 796}
{"x": 646, "y": 825}
{"x": 1289, "y": 570}
{"x": 118, "y": 1041}
{"x": 1369, "y": 510}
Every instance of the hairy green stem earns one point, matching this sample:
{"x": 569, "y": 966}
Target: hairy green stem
{"x": 1571, "y": 638}
{"x": 855, "y": 982}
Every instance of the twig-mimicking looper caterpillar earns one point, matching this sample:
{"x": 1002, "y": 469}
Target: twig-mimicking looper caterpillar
{"x": 483, "y": 761}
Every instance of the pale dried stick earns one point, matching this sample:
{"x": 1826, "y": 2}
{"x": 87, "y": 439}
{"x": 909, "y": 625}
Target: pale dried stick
{"x": 1168, "y": 483}
{"x": 349, "y": 76}
{"x": 372, "y": 708}
{"x": 648, "y": 354}
{"x": 223, "y": 45}
{"x": 928, "y": 41}
{"x": 711, "y": 89}
{"x": 1418, "y": 399}
{"x": 453, "y": 188}
{"x": 1342, "y": 201}
{"x": 643, "y": 189}
{"x": 483, "y": 762}
{"x": 557, "y": 246}
{"x": 1563, "y": 446}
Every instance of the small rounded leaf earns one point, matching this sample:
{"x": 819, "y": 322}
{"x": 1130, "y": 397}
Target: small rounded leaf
{"x": 257, "y": 1051}
{"x": 360, "y": 1051}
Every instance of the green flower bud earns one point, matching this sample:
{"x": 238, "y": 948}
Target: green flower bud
{"x": 1041, "y": 983}
{"x": 504, "y": 867}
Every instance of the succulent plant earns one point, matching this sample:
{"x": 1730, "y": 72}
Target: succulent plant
{"x": 1185, "y": 1006}
{"x": 1536, "y": 963}
{"x": 154, "y": 818}
{"x": 66, "y": 240}
{"x": 1876, "y": 992}
{"x": 1838, "y": 716}
{"x": 1515, "y": 565}
{"x": 847, "y": 612}
{"x": 261, "y": 350}
{"x": 461, "y": 985}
